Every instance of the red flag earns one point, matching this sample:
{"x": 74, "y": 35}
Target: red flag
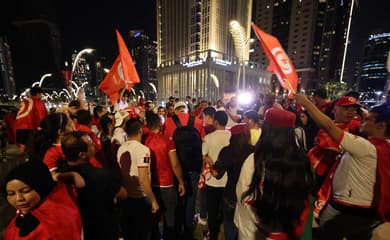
{"x": 279, "y": 62}
{"x": 113, "y": 81}
{"x": 66, "y": 75}
{"x": 122, "y": 73}
{"x": 129, "y": 71}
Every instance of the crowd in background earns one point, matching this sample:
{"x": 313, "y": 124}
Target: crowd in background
{"x": 303, "y": 167}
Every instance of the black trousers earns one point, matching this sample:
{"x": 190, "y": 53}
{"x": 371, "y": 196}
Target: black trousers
{"x": 214, "y": 210}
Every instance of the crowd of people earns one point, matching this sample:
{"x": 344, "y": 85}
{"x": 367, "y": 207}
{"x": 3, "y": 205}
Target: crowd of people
{"x": 297, "y": 168}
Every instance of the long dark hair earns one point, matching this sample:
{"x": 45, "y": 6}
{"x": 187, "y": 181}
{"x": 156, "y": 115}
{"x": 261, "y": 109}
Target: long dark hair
{"x": 287, "y": 178}
{"x": 240, "y": 146}
{"x": 43, "y": 138}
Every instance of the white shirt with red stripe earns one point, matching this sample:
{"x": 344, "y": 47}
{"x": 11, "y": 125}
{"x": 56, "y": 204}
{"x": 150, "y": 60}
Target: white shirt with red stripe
{"x": 140, "y": 158}
{"x": 355, "y": 176}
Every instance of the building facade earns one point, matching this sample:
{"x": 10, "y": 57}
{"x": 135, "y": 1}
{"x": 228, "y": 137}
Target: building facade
{"x": 313, "y": 33}
{"x": 7, "y": 83}
{"x": 373, "y": 69}
{"x": 196, "y": 55}
{"x": 144, "y": 53}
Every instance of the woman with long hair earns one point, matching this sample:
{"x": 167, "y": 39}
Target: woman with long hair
{"x": 45, "y": 143}
{"x": 275, "y": 183}
{"x": 229, "y": 161}
{"x": 107, "y": 154}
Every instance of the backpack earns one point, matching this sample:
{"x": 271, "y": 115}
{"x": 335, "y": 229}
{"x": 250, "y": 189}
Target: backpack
{"x": 188, "y": 144}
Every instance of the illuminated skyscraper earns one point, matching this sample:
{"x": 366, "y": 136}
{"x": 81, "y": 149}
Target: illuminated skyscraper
{"x": 195, "y": 50}
{"x": 373, "y": 72}
{"x": 313, "y": 33}
{"x": 144, "y": 51}
{"x": 7, "y": 81}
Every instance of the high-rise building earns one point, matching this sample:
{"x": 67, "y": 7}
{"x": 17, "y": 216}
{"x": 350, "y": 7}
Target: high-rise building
{"x": 313, "y": 33}
{"x": 373, "y": 71}
{"x": 144, "y": 53}
{"x": 7, "y": 81}
{"x": 196, "y": 55}
{"x": 334, "y": 46}
{"x": 298, "y": 26}
{"x": 35, "y": 43}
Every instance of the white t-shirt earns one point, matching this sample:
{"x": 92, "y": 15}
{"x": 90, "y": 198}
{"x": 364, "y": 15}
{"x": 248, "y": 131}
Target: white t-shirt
{"x": 355, "y": 176}
{"x": 212, "y": 145}
{"x": 232, "y": 111}
{"x": 119, "y": 135}
{"x": 140, "y": 158}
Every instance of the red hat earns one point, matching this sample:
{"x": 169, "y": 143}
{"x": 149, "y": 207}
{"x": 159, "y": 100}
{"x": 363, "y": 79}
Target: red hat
{"x": 239, "y": 128}
{"x": 280, "y": 118}
{"x": 347, "y": 101}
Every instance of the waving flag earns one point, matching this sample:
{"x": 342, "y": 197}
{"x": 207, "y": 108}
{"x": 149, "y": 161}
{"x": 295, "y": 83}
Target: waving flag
{"x": 279, "y": 62}
{"x": 122, "y": 73}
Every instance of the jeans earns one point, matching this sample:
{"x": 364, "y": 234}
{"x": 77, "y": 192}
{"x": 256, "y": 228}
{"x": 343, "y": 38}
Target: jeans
{"x": 186, "y": 205}
{"x": 167, "y": 199}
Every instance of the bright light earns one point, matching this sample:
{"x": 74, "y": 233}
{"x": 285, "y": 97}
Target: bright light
{"x": 245, "y": 98}
{"x": 215, "y": 80}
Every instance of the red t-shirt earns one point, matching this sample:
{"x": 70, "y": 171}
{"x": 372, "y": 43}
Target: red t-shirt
{"x": 161, "y": 169}
{"x": 170, "y": 125}
{"x": 53, "y": 157}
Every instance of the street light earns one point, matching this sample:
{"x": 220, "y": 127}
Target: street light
{"x": 241, "y": 45}
{"x": 44, "y": 76}
{"x": 82, "y": 52}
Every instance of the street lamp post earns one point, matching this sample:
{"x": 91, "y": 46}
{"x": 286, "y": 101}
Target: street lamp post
{"x": 44, "y": 76}
{"x": 241, "y": 45}
{"x": 82, "y": 52}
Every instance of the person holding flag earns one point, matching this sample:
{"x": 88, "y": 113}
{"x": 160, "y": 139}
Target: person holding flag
{"x": 279, "y": 62}
{"x": 122, "y": 74}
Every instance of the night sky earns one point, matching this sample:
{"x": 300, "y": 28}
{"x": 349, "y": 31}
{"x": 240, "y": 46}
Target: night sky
{"x": 87, "y": 23}
{"x": 93, "y": 23}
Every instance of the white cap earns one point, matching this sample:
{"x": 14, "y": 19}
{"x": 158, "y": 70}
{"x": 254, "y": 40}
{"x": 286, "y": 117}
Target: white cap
{"x": 180, "y": 104}
{"x": 120, "y": 116}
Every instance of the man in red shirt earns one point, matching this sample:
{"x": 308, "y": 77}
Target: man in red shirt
{"x": 31, "y": 112}
{"x": 191, "y": 178}
{"x": 180, "y": 111}
{"x": 165, "y": 165}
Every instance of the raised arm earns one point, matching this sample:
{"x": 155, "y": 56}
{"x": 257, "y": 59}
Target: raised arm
{"x": 319, "y": 117}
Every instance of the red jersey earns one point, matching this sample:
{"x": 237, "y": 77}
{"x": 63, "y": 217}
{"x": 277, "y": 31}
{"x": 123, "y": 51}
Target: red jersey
{"x": 53, "y": 157}
{"x": 323, "y": 155}
{"x": 161, "y": 169}
{"x": 170, "y": 125}
{"x": 382, "y": 185}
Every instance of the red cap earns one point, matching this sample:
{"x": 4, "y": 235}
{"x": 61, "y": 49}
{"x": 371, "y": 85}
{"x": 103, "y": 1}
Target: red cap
{"x": 239, "y": 128}
{"x": 347, "y": 101}
{"x": 280, "y": 118}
